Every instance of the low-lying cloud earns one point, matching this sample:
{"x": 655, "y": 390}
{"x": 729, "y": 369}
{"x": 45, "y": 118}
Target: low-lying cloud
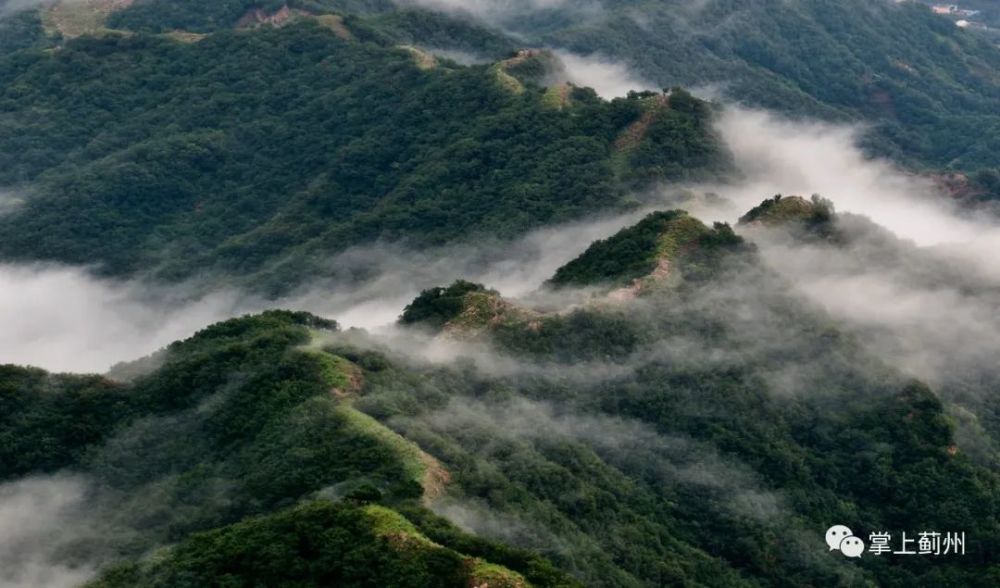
{"x": 664, "y": 465}
{"x": 780, "y": 156}
{"x": 670, "y": 460}
{"x": 499, "y": 11}
{"x": 64, "y": 319}
{"x": 933, "y": 317}
{"x": 514, "y": 268}
{"x": 923, "y": 292}
{"x": 39, "y": 518}
{"x": 8, "y": 202}
{"x": 609, "y": 78}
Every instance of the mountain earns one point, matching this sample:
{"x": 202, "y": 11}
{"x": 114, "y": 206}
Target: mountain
{"x": 316, "y": 544}
{"x": 257, "y": 154}
{"x": 944, "y": 337}
{"x": 248, "y": 143}
{"x": 242, "y": 420}
{"x": 697, "y": 424}
{"x": 636, "y": 397}
{"x": 929, "y": 89}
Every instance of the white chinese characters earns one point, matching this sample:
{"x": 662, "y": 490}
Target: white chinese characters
{"x": 925, "y": 543}
{"x": 841, "y": 538}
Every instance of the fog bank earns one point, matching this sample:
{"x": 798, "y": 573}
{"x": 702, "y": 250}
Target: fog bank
{"x": 497, "y": 12}
{"x": 609, "y": 78}
{"x": 923, "y": 290}
{"x": 39, "y": 518}
{"x": 64, "y": 319}
{"x": 779, "y": 156}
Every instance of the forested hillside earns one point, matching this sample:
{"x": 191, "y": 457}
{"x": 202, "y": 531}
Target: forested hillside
{"x": 930, "y": 89}
{"x": 258, "y": 153}
{"x": 696, "y": 425}
{"x": 678, "y": 402}
{"x": 243, "y": 419}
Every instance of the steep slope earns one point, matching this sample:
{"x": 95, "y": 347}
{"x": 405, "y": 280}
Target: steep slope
{"x": 725, "y": 368}
{"x": 257, "y": 154}
{"x": 314, "y": 544}
{"x": 242, "y": 420}
{"x": 930, "y": 88}
{"x": 930, "y": 309}
{"x": 661, "y": 244}
{"x": 705, "y": 431}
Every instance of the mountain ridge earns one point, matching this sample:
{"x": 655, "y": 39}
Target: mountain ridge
{"x": 605, "y": 403}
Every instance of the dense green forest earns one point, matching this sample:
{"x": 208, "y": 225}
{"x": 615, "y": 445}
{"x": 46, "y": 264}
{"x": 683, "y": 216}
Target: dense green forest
{"x": 667, "y": 409}
{"x": 258, "y": 154}
{"x": 404, "y": 24}
{"x": 929, "y": 89}
{"x": 668, "y": 241}
{"x": 317, "y": 544}
{"x": 244, "y": 419}
{"x": 21, "y": 30}
{"x": 704, "y": 431}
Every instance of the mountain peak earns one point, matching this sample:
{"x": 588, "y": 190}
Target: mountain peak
{"x": 782, "y": 210}
{"x": 646, "y": 253}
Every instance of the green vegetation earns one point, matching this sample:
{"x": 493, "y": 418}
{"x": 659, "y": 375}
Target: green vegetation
{"x": 189, "y": 15}
{"x": 237, "y": 405}
{"x": 437, "y": 306}
{"x": 48, "y": 421}
{"x": 258, "y": 154}
{"x": 703, "y": 429}
{"x": 387, "y": 21}
{"x": 240, "y": 420}
{"x": 314, "y": 544}
{"x": 440, "y": 31}
{"x": 839, "y": 436}
{"x": 21, "y": 30}
{"x": 706, "y": 433}
{"x": 986, "y": 182}
{"x": 464, "y": 309}
{"x": 671, "y": 241}
{"x": 778, "y": 211}
{"x": 929, "y": 88}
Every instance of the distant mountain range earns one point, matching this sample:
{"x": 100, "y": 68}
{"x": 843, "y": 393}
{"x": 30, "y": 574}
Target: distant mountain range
{"x": 255, "y": 153}
{"x": 315, "y": 132}
{"x": 681, "y": 403}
